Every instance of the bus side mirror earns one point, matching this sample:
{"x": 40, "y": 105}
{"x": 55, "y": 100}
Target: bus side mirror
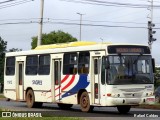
{"x": 153, "y": 65}
{"x": 107, "y": 66}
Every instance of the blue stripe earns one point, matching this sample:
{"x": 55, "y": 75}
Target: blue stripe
{"x": 82, "y": 84}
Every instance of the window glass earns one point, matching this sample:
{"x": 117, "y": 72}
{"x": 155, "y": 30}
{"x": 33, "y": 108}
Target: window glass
{"x": 31, "y": 65}
{"x": 70, "y": 63}
{"x": 44, "y": 65}
{"x": 83, "y": 63}
{"x": 10, "y": 66}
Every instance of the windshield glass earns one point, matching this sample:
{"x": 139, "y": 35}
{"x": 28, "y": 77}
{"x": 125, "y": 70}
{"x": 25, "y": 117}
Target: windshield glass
{"x": 127, "y": 69}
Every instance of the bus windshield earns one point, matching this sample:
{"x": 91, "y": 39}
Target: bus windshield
{"x": 130, "y": 69}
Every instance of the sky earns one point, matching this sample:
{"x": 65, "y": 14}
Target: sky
{"x": 57, "y": 12}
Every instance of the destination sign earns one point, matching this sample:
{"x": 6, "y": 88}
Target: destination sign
{"x": 129, "y": 50}
{"x": 114, "y": 49}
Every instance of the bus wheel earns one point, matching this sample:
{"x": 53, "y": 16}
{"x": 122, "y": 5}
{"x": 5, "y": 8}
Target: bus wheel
{"x": 30, "y": 99}
{"x": 85, "y": 103}
{"x": 124, "y": 109}
{"x": 65, "y": 106}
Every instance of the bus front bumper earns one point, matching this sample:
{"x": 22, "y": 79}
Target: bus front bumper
{"x": 130, "y": 101}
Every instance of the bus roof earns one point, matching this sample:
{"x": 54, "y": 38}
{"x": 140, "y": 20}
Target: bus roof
{"x": 66, "y": 47}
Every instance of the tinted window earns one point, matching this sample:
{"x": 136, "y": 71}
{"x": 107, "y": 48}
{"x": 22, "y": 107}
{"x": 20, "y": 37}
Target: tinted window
{"x": 70, "y": 63}
{"x": 83, "y": 63}
{"x": 31, "y": 65}
{"x": 10, "y": 66}
{"x": 44, "y": 65}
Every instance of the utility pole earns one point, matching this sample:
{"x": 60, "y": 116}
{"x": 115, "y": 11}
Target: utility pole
{"x": 80, "y": 31}
{"x": 40, "y": 24}
{"x": 150, "y": 26}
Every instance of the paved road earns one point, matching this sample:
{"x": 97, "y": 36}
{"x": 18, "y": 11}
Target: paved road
{"x": 103, "y": 113}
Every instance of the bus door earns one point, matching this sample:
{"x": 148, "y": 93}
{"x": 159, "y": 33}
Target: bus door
{"x": 96, "y": 88}
{"x": 20, "y": 79}
{"x": 57, "y": 79}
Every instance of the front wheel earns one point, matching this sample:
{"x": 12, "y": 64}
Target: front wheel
{"x": 85, "y": 103}
{"x": 124, "y": 109}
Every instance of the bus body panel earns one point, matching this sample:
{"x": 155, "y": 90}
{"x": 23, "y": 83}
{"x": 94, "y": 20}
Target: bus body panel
{"x": 61, "y": 87}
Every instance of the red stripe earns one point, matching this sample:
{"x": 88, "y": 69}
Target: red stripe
{"x": 58, "y": 95}
{"x": 70, "y": 82}
{"x": 49, "y": 97}
{"x": 63, "y": 80}
{"x": 58, "y": 87}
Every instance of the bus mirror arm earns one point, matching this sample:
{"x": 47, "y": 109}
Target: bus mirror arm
{"x": 107, "y": 66}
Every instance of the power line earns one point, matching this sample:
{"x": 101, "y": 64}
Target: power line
{"x": 114, "y": 4}
{"x": 66, "y": 23}
{"x": 15, "y": 3}
{"x": 71, "y": 20}
{"x": 7, "y": 1}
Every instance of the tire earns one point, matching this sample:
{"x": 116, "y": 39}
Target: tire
{"x": 124, "y": 109}
{"x": 64, "y": 106}
{"x": 85, "y": 103}
{"x": 30, "y": 99}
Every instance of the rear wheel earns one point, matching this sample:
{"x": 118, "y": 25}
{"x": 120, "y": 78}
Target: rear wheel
{"x": 30, "y": 99}
{"x": 65, "y": 106}
{"x": 124, "y": 109}
{"x": 85, "y": 103}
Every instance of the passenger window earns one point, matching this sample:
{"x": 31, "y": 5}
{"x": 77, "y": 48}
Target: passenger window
{"x": 70, "y": 63}
{"x": 44, "y": 65}
{"x": 10, "y": 66}
{"x": 83, "y": 63}
{"x": 31, "y": 65}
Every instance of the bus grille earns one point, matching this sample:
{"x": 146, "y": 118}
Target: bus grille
{"x": 133, "y": 95}
{"x": 132, "y": 89}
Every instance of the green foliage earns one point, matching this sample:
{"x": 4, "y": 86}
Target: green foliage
{"x": 157, "y": 77}
{"x": 3, "y": 46}
{"x": 14, "y": 50}
{"x": 53, "y": 38}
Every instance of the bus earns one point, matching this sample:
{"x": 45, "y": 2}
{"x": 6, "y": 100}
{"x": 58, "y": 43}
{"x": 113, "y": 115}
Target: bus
{"x": 90, "y": 74}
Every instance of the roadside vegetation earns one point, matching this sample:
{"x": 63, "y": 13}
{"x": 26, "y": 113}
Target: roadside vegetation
{"x": 2, "y": 96}
{"x": 43, "y": 118}
{"x": 157, "y": 78}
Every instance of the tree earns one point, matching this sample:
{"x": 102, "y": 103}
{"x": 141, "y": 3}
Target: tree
{"x": 157, "y": 77}
{"x": 53, "y": 37}
{"x": 15, "y": 50}
{"x": 3, "y": 46}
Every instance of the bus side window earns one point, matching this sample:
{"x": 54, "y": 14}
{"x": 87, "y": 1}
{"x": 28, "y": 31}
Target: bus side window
{"x": 44, "y": 65}
{"x": 31, "y": 65}
{"x": 70, "y": 63}
{"x": 10, "y": 66}
{"x": 83, "y": 62}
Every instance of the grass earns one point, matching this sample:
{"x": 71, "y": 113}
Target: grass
{"x": 153, "y": 106}
{"x": 43, "y": 118}
{"x": 2, "y": 96}
{"x": 37, "y": 118}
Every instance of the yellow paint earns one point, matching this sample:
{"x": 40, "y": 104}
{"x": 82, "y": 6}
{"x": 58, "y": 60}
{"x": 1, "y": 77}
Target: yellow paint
{"x": 71, "y": 44}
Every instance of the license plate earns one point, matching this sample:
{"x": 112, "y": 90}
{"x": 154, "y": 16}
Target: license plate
{"x": 150, "y": 99}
